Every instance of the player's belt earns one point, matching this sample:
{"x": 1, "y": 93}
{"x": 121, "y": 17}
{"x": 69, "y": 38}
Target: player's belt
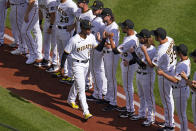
{"x": 80, "y": 61}
{"x": 106, "y": 51}
{"x": 142, "y": 73}
{"x": 62, "y": 27}
{"x": 176, "y": 87}
{"x": 17, "y": 4}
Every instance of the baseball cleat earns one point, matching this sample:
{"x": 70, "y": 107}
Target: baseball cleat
{"x": 109, "y": 108}
{"x": 137, "y": 117}
{"x": 121, "y": 109}
{"x": 166, "y": 128}
{"x": 74, "y": 105}
{"x": 16, "y": 52}
{"x": 56, "y": 74}
{"x": 1, "y": 44}
{"x": 38, "y": 64}
{"x": 30, "y": 60}
{"x": 91, "y": 98}
{"x": 148, "y": 123}
{"x": 53, "y": 68}
{"x": 45, "y": 63}
{"x": 88, "y": 116}
{"x": 13, "y": 45}
{"x": 67, "y": 80}
{"x": 126, "y": 114}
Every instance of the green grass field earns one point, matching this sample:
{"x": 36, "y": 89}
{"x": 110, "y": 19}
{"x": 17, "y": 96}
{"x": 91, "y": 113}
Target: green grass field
{"x": 19, "y": 114}
{"x": 176, "y": 16}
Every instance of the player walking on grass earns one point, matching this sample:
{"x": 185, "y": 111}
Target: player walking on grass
{"x": 145, "y": 78}
{"x": 47, "y": 11}
{"x": 110, "y": 59}
{"x": 31, "y": 23}
{"x": 78, "y": 48}
{"x": 165, "y": 60}
{"x": 192, "y": 85}
{"x": 180, "y": 88}
{"x": 128, "y": 71}
{"x": 96, "y": 58}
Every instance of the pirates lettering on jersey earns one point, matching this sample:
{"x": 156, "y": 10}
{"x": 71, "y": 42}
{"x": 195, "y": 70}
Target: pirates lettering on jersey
{"x": 89, "y": 46}
{"x": 171, "y": 52}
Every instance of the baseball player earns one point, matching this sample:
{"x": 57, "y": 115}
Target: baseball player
{"x": 192, "y": 85}
{"x": 48, "y": 10}
{"x": 78, "y": 48}
{"x": 110, "y": 59}
{"x": 66, "y": 15}
{"x": 3, "y": 11}
{"x": 84, "y": 13}
{"x": 145, "y": 78}
{"x": 166, "y": 60}
{"x": 96, "y": 58}
{"x": 128, "y": 71}
{"x": 31, "y": 23}
{"x": 17, "y": 18}
{"x": 180, "y": 88}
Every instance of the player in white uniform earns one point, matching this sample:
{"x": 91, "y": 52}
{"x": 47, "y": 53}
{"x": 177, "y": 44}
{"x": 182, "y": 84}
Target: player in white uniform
{"x": 31, "y": 22}
{"x": 78, "y": 48}
{"x": 3, "y": 13}
{"x": 145, "y": 78}
{"x": 165, "y": 60}
{"x": 192, "y": 85}
{"x": 128, "y": 71}
{"x": 96, "y": 58}
{"x": 180, "y": 88}
{"x": 110, "y": 59}
{"x": 48, "y": 10}
{"x": 66, "y": 21}
{"x": 17, "y": 18}
{"x": 84, "y": 13}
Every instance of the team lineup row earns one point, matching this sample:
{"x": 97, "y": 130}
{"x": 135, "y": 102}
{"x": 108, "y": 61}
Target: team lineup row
{"x": 85, "y": 53}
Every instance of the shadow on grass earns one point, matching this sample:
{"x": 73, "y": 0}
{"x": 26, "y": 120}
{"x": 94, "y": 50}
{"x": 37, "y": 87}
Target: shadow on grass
{"x": 18, "y": 97}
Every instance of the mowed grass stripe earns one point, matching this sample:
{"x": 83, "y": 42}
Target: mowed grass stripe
{"x": 24, "y": 116}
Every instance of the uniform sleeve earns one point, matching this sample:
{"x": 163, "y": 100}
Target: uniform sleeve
{"x": 194, "y": 77}
{"x": 69, "y": 47}
{"x": 95, "y": 43}
{"x": 116, "y": 36}
{"x": 179, "y": 69}
{"x": 52, "y": 7}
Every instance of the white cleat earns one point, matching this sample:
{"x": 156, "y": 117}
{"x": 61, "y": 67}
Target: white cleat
{"x": 30, "y": 60}
{"x": 16, "y": 52}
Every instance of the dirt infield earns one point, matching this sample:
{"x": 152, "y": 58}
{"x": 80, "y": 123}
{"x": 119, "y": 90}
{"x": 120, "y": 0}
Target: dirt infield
{"x": 40, "y": 88}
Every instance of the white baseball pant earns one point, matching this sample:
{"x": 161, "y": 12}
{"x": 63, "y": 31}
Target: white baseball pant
{"x": 79, "y": 71}
{"x": 98, "y": 74}
{"x": 3, "y": 13}
{"x": 165, "y": 90}
{"x": 127, "y": 77}
{"x": 194, "y": 107}
{"x": 145, "y": 85}
{"x": 181, "y": 95}
{"x": 110, "y": 64}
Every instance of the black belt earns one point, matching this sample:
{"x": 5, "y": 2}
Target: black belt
{"x": 62, "y": 27}
{"x": 176, "y": 87}
{"x": 17, "y": 4}
{"x": 142, "y": 73}
{"x": 82, "y": 61}
{"x": 106, "y": 51}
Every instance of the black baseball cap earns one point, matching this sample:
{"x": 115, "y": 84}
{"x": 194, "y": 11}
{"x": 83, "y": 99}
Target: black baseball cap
{"x": 127, "y": 23}
{"x": 83, "y": 1}
{"x": 160, "y": 32}
{"x": 144, "y": 34}
{"x": 85, "y": 24}
{"x": 97, "y": 5}
{"x": 193, "y": 54}
{"x": 182, "y": 48}
{"x": 106, "y": 12}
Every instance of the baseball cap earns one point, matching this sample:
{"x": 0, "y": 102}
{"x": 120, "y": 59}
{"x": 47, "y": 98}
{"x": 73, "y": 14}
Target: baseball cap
{"x": 193, "y": 54}
{"x": 144, "y": 34}
{"x": 160, "y": 32}
{"x": 182, "y": 48}
{"x": 97, "y": 5}
{"x": 85, "y": 24}
{"x": 106, "y": 12}
{"x": 83, "y": 1}
{"x": 127, "y": 23}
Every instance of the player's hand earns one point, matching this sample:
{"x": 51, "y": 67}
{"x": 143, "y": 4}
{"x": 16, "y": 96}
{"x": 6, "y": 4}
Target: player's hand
{"x": 194, "y": 84}
{"x": 26, "y": 18}
{"x": 104, "y": 34}
{"x": 110, "y": 35}
{"x": 160, "y": 72}
{"x": 183, "y": 75}
{"x": 126, "y": 63}
{"x": 132, "y": 50}
{"x": 49, "y": 31}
